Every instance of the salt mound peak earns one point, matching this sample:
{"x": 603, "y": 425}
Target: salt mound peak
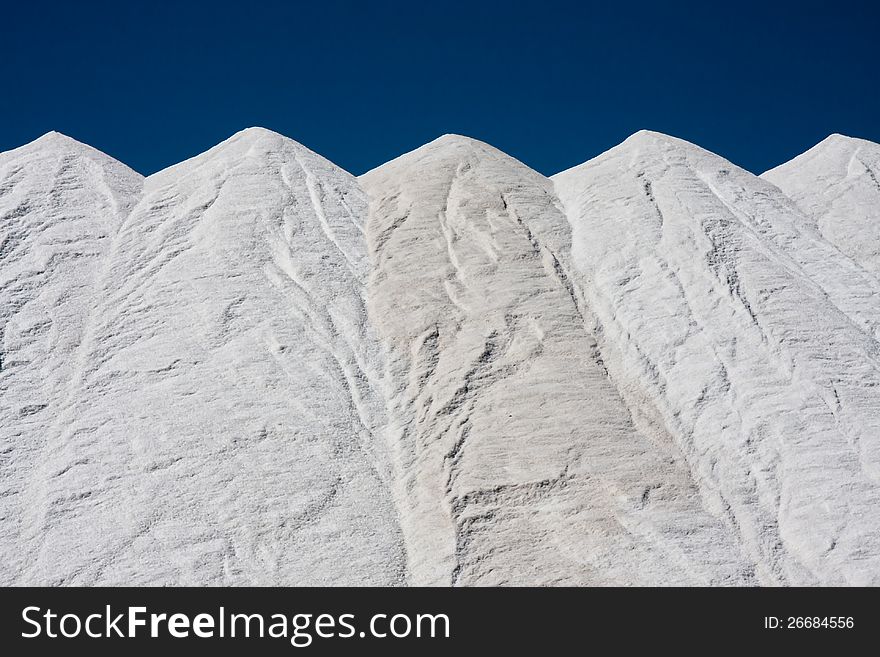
{"x": 835, "y": 185}
{"x": 54, "y": 145}
{"x": 453, "y": 151}
{"x": 646, "y": 146}
{"x": 262, "y": 144}
{"x": 833, "y": 147}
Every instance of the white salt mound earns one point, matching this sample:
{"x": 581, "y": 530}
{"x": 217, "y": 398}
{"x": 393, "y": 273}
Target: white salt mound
{"x": 253, "y": 368}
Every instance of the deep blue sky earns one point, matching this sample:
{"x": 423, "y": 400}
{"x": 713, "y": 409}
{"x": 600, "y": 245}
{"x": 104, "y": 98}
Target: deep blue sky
{"x": 552, "y": 83}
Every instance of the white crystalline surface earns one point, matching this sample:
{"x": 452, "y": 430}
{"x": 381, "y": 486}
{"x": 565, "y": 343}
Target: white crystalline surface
{"x": 255, "y": 368}
{"x": 61, "y": 203}
{"x": 837, "y": 185}
{"x": 215, "y": 421}
{"x": 711, "y": 307}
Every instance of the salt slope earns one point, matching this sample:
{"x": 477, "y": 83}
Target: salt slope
{"x": 837, "y": 185}
{"x": 60, "y": 204}
{"x": 191, "y": 392}
{"x": 221, "y": 424}
{"x": 517, "y": 460}
{"x": 714, "y": 310}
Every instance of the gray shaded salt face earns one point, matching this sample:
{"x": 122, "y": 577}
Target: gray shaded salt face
{"x": 518, "y": 460}
{"x": 217, "y": 422}
{"x": 753, "y": 337}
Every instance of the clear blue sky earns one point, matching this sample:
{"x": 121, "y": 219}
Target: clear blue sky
{"x": 552, "y": 83}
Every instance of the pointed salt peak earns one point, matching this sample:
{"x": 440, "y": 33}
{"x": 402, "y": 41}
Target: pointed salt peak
{"x": 450, "y": 148}
{"x": 659, "y": 140}
{"x": 253, "y": 141}
{"x": 835, "y": 147}
{"x": 59, "y": 141}
{"x": 836, "y": 137}
{"x": 257, "y": 133}
{"x": 451, "y": 144}
{"x": 55, "y": 136}
{"x": 452, "y": 139}
{"x": 643, "y": 144}
{"x": 834, "y": 142}
{"x": 56, "y": 144}
{"x": 243, "y": 138}
{"x": 262, "y": 139}
{"x": 646, "y": 135}
{"x": 252, "y": 136}
{"x": 837, "y": 140}
{"x": 460, "y": 143}
{"x": 274, "y": 141}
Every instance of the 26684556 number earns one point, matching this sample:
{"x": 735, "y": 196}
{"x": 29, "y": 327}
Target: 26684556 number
{"x": 809, "y": 622}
